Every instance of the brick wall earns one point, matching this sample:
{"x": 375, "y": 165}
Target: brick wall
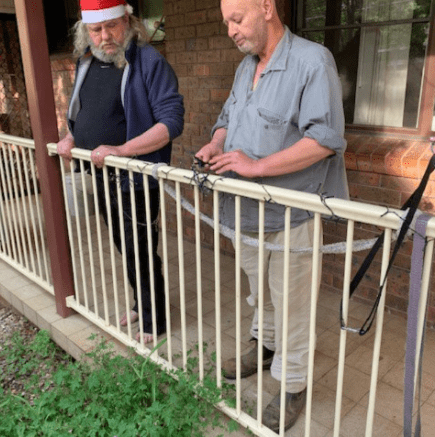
{"x": 381, "y": 170}
{"x": 63, "y": 71}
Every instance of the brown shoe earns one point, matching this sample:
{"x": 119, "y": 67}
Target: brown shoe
{"x": 248, "y": 363}
{"x": 294, "y": 402}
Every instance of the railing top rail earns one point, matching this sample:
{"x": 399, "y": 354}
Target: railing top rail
{"x": 347, "y": 209}
{"x": 11, "y": 139}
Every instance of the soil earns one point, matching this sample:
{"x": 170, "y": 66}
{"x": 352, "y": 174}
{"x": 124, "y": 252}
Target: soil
{"x": 11, "y": 321}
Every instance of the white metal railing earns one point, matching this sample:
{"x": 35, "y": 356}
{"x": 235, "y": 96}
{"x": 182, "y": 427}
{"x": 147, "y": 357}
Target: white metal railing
{"x": 22, "y": 228}
{"x": 101, "y": 301}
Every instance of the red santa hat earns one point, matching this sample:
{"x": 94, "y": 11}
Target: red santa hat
{"x": 95, "y": 11}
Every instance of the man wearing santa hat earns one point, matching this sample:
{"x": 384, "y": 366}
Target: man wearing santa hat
{"x": 125, "y": 102}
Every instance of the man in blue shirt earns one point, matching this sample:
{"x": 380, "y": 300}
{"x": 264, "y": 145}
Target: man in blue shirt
{"x": 282, "y": 125}
{"x": 125, "y": 102}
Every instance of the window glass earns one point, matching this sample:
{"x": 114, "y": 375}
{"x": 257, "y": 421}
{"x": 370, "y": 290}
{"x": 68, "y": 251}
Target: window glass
{"x": 379, "y": 47}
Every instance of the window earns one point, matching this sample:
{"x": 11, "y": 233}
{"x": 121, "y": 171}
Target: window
{"x": 60, "y": 17}
{"x": 381, "y": 50}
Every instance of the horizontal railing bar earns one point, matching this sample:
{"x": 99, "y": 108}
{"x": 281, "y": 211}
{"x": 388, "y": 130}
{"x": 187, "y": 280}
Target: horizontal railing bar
{"x": 375, "y": 215}
{"x": 18, "y": 141}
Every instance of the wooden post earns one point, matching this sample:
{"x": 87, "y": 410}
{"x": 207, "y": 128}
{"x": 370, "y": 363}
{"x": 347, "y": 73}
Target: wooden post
{"x": 39, "y": 84}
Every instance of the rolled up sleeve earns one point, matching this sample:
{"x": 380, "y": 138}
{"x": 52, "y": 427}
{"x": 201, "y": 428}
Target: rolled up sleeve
{"x": 321, "y": 110}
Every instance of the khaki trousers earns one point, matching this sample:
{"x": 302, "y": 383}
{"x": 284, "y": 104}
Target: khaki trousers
{"x": 299, "y": 293}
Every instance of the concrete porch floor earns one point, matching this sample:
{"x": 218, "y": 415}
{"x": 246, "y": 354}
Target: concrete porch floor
{"x": 73, "y": 332}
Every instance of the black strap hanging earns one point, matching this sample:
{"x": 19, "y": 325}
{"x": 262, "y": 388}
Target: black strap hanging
{"x": 411, "y": 204}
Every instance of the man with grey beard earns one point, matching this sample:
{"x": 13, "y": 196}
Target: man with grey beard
{"x": 125, "y": 102}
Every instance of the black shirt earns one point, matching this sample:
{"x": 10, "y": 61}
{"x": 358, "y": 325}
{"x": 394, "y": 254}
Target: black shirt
{"x": 101, "y": 119}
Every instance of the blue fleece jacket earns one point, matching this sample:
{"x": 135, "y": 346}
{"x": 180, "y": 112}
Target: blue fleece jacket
{"x": 149, "y": 92}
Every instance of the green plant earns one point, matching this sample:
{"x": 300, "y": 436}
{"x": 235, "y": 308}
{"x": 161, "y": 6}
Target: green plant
{"x": 107, "y": 395}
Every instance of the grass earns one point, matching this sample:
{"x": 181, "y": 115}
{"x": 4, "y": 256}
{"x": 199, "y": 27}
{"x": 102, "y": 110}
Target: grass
{"x": 106, "y": 395}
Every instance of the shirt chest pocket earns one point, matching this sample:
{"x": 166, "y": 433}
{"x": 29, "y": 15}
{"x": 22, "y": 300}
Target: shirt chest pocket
{"x": 269, "y": 133}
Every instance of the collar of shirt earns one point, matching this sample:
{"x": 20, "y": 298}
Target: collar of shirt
{"x": 279, "y": 58}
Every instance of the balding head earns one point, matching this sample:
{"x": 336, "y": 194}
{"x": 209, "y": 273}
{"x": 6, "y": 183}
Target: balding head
{"x": 253, "y": 25}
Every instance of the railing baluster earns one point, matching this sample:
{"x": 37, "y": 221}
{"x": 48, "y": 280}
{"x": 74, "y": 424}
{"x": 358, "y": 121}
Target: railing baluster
{"x": 181, "y": 274}
{"x": 37, "y": 246}
{"x": 217, "y": 267}
{"x": 166, "y": 270}
{"x": 19, "y": 230}
{"x": 100, "y": 244}
{"x": 199, "y": 282}
{"x": 285, "y": 303}
{"x": 238, "y": 303}
{"x": 79, "y": 239}
{"x": 89, "y": 235}
{"x": 28, "y": 251}
{"x": 378, "y": 335}
{"x": 343, "y": 332}
{"x": 261, "y": 273}
{"x": 112, "y": 248}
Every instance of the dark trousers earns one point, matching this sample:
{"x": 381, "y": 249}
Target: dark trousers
{"x": 142, "y": 248}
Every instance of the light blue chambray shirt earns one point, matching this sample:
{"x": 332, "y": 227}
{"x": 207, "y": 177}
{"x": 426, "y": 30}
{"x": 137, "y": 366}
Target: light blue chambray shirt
{"x": 298, "y": 95}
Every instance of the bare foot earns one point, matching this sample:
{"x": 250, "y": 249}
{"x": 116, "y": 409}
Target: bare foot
{"x": 134, "y": 316}
{"x": 147, "y": 338}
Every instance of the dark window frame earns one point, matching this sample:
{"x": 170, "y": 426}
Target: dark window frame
{"x": 427, "y": 101}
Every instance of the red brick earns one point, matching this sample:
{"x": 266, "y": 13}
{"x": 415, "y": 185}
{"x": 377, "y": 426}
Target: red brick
{"x": 364, "y": 178}
{"x": 219, "y": 95}
{"x": 183, "y": 6}
{"x": 375, "y": 195}
{"x": 170, "y": 35}
{"x": 411, "y": 160}
{"x": 175, "y": 46}
{"x": 214, "y": 14}
{"x": 209, "y": 56}
{"x": 424, "y": 161}
{"x": 199, "y": 94}
{"x": 199, "y": 118}
{"x": 196, "y": 17}
{"x": 222, "y": 70}
{"x": 350, "y": 160}
{"x": 232, "y": 55}
{"x": 185, "y": 32}
{"x": 207, "y": 29}
{"x": 206, "y": 4}
{"x": 201, "y": 70}
{"x": 227, "y": 82}
{"x": 197, "y": 44}
{"x": 220, "y": 42}
{"x": 393, "y": 160}
{"x": 171, "y": 58}
{"x": 399, "y": 183}
{"x": 363, "y": 155}
{"x": 212, "y": 107}
{"x": 210, "y": 82}
{"x": 168, "y": 8}
{"x": 174, "y": 21}
{"x": 191, "y": 106}
{"x": 180, "y": 70}
{"x": 187, "y": 58}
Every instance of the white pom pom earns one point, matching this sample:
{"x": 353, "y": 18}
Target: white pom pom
{"x": 129, "y": 9}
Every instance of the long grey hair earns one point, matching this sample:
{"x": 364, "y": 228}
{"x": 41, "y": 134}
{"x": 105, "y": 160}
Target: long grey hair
{"x": 82, "y": 41}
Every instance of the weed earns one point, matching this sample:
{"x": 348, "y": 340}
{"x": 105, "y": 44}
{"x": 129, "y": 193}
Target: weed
{"x": 109, "y": 395}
